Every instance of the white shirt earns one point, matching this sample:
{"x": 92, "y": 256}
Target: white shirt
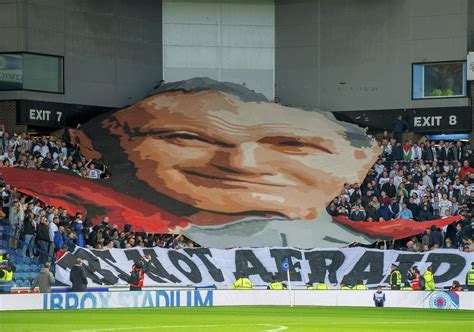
{"x": 397, "y": 180}
{"x": 93, "y": 174}
{"x": 418, "y": 193}
{"x": 383, "y": 180}
{"x": 36, "y": 209}
{"x": 435, "y": 153}
{"x": 44, "y": 150}
{"x": 416, "y": 153}
{"x": 378, "y": 168}
{"x": 51, "y": 229}
{"x": 12, "y": 159}
{"x": 443, "y": 206}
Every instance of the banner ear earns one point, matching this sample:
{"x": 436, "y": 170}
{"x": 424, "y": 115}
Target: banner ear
{"x": 79, "y": 138}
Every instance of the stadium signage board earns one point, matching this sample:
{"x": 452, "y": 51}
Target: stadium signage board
{"x": 44, "y": 114}
{"x": 158, "y": 298}
{"x": 454, "y": 118}
{"x": 198, "y": 298}
{"x": 54, "y": 115}
{"x": 206, "y": 267}
{"x": 419, "y": 119}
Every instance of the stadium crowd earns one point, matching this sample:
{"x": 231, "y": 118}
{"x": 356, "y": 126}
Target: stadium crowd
{"x": 420, "y": 181}
{"x": 48, "y": 153}
{"x": 50, "y": 231}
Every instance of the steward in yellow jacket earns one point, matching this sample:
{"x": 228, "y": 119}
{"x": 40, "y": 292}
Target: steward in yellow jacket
{"x": 429, "y": 279}
{"x": 360, "y": 286}
{"x": 276, "y": 285}
{"x": 344, "y": 286}
{"x": 242, "y": 283}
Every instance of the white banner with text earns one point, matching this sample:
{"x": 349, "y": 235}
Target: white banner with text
{"x": 202, "y": 267}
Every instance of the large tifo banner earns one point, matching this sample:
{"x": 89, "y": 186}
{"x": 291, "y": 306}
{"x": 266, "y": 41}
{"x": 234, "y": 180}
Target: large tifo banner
{"x": 207, "y": 267}
{"x": 222, "y": 165}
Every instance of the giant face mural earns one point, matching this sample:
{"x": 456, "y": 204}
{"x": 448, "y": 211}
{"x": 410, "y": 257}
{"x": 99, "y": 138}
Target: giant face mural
{"x": 230, "y": 158}
{"x": 226, "y": 167}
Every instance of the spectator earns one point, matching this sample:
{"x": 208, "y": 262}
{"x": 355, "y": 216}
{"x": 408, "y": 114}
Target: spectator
{"x": 415, "y": 278}
{"x": 385, "y": 213}
{"x": 416, "y": 152}
{"x": 137, "y": 276}
{"x": 44, "y": 279}
{"x": 60, "y": 253}
{"x": 458, "y": 236}
{"x": 15, "y": 221}
{"x": 429, "y": 279}
{"x": 52, "y": 229}
{"x": 92, "y": 172}
{"x": 405, "y": 213}
{"x": 413, "y": 207}
{"x": 425, "y": 214}
{"x": 371, "y": 212}
{"x": 59, "y": 237}
{"x": 444, "y": 204}
{"x": 456, "y": 287}
{"x": 70, "y": 240}
{"x": 357, "y": 214}
{"x": 435, "y": 237}
{"x": 466, "y": 169}
{"x": 425, "y": 240}
{"x": 389, "y": 188}
{"x": 29, "y": 229}
{"x": 397, "y": 151}
{"x": 427, "y": 152}
{"x": 78, "y": 277}
{"x": 399, "y": 126}
{"x": 47, "y": 162}
{"x": 42, "y": 235}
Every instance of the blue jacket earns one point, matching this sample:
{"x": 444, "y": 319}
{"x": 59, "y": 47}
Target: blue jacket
{"x": 385, "y": 213}
{"x": 80, "y": 240}
{"x": 405, "y": 214}
{"x": 70, "y": 244}
{"x": 58, "y": 240}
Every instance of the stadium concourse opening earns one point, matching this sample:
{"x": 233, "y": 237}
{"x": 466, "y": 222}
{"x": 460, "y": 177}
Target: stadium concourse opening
{"x": 207, "y": 165}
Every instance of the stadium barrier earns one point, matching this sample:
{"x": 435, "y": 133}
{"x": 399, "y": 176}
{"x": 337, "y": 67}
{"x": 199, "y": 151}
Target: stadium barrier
{"x": 197, "y": 298}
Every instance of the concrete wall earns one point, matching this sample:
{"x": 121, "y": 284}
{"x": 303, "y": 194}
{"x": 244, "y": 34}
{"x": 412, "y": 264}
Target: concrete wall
{"x": 112, "y": 48}
{"x": 470, "y": 25}
{"x": 8, "y": 117}
{"x": 363, "y": 50}
{"x": 226, "y": 40}
{"x": 297, "y": 52}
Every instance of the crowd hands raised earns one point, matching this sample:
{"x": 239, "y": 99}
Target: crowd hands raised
{"x": 420, "y": 181}
{"x": 49, "y": 153}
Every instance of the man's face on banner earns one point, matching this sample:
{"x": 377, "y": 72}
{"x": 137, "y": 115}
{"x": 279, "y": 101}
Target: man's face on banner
{"x": 222, "y": 155}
